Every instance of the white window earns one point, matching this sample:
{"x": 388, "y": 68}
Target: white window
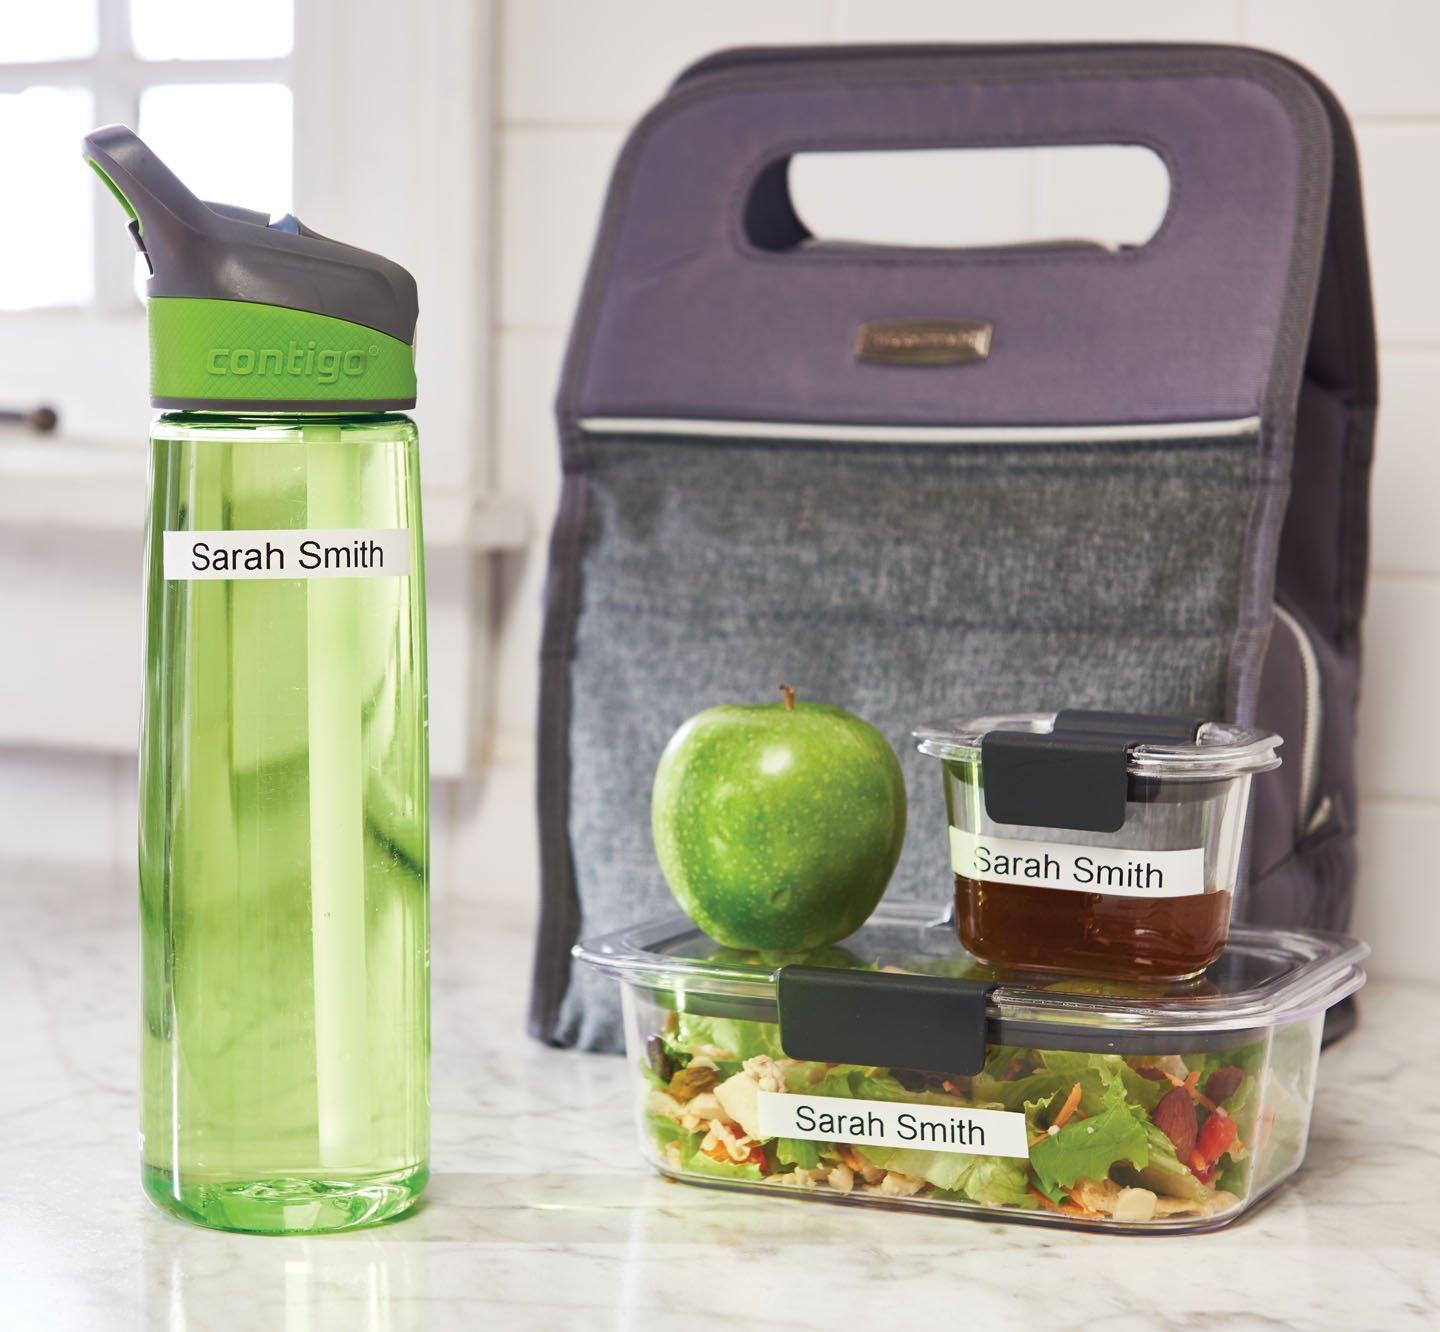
{"x": 209, "y": 87}
{"x": 370, "y": 120}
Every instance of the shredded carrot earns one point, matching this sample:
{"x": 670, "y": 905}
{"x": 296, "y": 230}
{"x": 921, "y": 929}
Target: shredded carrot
{"x": 1189, "y": 1084}
{"x": 1267, "y": 1122}
{"x": 1078, "y": 1205}
{"x": 1042, "y": 1199}
{"x": 1038, "y": 1139}
{"x": 718, "y": 1151}
{"x": 1068, "y": 1109}
{"x": 1192, "y": 1085}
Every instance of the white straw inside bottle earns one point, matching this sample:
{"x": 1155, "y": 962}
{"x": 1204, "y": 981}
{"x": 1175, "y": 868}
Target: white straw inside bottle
{"x": 337, "y": 827}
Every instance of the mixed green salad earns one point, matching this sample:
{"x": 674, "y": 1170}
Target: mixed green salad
{"x": 1111, "y": 1137}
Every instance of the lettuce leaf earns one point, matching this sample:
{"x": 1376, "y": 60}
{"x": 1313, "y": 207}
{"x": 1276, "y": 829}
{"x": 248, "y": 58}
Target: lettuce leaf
{"x": 1038, "y": 1086}
{"x": 866, "y": 1084}
{"x": 995, "y": 1180}
{"x": 822, "y": 1080}
{"x": 1000, "y": 1181}
{"x": 1058, "y": 1072}
{"x": 665, "y": 1131}
{"x": 1108, "y": 1069}
{"x": 797, "y": 1152}
{"x": 1087, "y": 1148}
{"x": 1248, "y": 1058}
{"x": 880, "y": 1085}
{"x": 742, "y": 1039}
{"x": 1164, "y": 1174}
{"x": 1000, "y": 1057}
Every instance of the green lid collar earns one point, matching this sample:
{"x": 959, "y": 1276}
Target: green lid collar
{"x": 229, "y": 354}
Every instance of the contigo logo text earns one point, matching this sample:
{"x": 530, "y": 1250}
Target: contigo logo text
{"x": 301, "y": 360}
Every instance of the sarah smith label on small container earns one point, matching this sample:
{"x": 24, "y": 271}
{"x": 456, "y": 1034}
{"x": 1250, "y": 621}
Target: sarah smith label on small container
{"x": 346, "y": 552}
{"x": 1114, "y": 871}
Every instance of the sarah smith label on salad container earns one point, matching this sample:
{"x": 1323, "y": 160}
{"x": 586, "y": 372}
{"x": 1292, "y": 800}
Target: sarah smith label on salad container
{"x": 892, "y": 1124}
{"x": 344, "y": 552}
{"x": 1113, "y": 871}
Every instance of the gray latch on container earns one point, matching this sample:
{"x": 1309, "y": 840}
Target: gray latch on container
{"x": 1076, "y": 775}
{"x": 885, "y": 1019}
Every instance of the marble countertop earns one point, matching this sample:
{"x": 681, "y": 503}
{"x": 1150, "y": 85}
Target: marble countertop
{"x": 540, "y": 1213}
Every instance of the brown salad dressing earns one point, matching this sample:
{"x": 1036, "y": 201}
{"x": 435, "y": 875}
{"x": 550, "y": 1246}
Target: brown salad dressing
{"x": 1125, "y": 938}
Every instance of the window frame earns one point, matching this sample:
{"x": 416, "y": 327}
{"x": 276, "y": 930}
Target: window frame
{"x": 396, "y": 159}
{"x": 431, "y": 140}
{"x": 117, "y": 76}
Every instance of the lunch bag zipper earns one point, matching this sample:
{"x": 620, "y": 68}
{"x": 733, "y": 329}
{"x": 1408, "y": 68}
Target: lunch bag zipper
{"x": 819, "y": 431}
{"x": 1312, "y": 814}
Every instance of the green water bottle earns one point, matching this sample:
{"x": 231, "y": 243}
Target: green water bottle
{"x": 283, "y": 761}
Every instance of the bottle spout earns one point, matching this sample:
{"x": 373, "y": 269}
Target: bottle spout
{"x": 163, "y": 216}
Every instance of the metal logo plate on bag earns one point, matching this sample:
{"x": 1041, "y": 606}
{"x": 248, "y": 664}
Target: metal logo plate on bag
{"x": 923, "y": 341}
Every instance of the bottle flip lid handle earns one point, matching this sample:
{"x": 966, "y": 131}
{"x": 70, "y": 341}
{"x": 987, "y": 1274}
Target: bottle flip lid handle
{"x": 155, "y": 199}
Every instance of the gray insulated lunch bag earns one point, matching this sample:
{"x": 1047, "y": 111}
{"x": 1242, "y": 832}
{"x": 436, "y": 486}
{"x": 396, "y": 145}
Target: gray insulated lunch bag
{"x": 921, "y": 483}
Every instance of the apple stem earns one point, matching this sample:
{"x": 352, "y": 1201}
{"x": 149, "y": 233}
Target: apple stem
{"x": 789, "y": 692}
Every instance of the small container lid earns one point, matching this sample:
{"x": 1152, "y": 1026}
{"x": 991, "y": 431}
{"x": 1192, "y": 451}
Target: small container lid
{"x": 1263, "y": 979}
{"x": 1217, "y": 750}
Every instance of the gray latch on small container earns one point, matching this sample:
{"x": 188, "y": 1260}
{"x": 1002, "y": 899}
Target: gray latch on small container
{"x": 1076, "y": 775}
{"x": 933, "y": 1024}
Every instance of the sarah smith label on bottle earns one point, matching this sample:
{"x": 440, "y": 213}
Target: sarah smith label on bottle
{"x": 1116, "y": 871}
{"x": 345, "y": 552}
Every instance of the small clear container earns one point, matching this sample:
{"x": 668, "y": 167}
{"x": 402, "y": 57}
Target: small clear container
{"x": 1096, "y": 844}
{"x": 895, "y": 1070}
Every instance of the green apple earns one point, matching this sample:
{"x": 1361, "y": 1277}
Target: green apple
{"x": 778, "y": 826}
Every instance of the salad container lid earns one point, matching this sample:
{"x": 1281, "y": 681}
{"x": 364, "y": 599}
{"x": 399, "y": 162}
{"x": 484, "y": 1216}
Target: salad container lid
{"x": 1164, "y": 747}
{"x": 904, "y": 966}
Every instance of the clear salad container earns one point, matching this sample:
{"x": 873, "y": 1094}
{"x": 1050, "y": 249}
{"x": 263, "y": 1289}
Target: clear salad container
{"x": 1093, "y": 843}
{"x": 896, "y": 1070}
